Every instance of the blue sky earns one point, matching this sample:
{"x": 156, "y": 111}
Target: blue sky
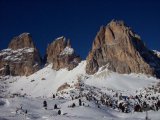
{"x": 78, "y": 20}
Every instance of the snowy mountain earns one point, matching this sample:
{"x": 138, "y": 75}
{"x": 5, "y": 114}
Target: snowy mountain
{"x": 100, "y": 94}
{"x": 118, "y": 80}
{"x": 47, "y": 81}
{"x": 122, "y": 50}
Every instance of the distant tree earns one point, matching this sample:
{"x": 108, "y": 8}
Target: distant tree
{"x": 87, "y": 97}
{"x": 98, "y": 106}
{"x": 116, "y": 95}
{"x": 80, "y": 102}
{"x": 158, "y": 103}
{"x": 55, "y": 106}
{"x": 144, "y": 104}
{"x": 123, "y": 108}
{"x": 73, "y": 105}
{"x": 137, "y": 97}
{"x": 26, "y": 112}
{"x": 138, "y": 108}
{"x": 159, "y": 90}
{"x": 156, "y": 106}
{"x": 149, "y": 98}
{"x": 153, "y": 98}
{"x": 83, "y": 104}
{"x": 102, "y": 100}
{"x": 45, "y": 104}
{"x": 72, "y": 98}
{"x": 59, "y": 112}
{"x": 54, "y": 96}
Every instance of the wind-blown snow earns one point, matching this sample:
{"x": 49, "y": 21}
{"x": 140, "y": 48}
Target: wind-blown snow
{"x": 61, "y": 37}
{"x": 23, "y": 34}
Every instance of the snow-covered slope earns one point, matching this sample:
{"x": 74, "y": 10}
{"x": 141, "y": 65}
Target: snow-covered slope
{"x": 70, "y": 86}
{"x": 47, "y": 81}
{"x": 123, "y": 82}
{"x": 90, "y": 111}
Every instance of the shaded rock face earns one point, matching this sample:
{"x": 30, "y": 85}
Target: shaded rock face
{"x": 119, "y": 49}
{"x": 62, "y": 55}
{"x": 21, "y": 58}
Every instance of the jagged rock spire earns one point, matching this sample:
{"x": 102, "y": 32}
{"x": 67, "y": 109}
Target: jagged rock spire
{"x": 121, "y": 50}
{"x": 61, "y": 54}
{"x": 21, "y": 58}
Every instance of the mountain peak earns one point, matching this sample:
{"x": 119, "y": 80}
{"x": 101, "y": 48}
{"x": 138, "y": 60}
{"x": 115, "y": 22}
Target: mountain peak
{"x": 21, "y": 41}
{"x": 22, "y": 58}
{"x": 61, "y": 54}
{"x": 117, "y": 22}
{"x": 117, "y": 46}
{"x": 24, "y": 34}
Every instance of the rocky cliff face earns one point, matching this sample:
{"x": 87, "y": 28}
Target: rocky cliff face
{"x": 119, "y": 49}
{"x": 21, "y": 57}
{"x": 62, "y": 55}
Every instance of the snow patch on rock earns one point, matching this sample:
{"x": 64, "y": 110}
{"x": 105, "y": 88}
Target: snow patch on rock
{"x": 67, "y": 51}
{"x": 15, "y": 55}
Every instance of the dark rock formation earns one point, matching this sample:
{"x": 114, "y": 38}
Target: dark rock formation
{"x": 118, "y": 48}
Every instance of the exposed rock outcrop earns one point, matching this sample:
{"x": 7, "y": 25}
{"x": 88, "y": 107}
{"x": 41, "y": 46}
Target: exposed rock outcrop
{"x": 62, "y": 55}
{"x": 21, "y": 57}
{"x": 118, "y": 48}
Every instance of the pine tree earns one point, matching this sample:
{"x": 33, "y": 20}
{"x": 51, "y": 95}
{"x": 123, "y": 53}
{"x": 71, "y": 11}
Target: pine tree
{"x": 80, "y": 102}
{"x": 55, "y": 106}
{"x": 59, "y": 112}
{"x": 54, "y": 96}
{"x": 26, "y": 112}
{"x": 73, "y": 105}
{"x": 45, "y": 104}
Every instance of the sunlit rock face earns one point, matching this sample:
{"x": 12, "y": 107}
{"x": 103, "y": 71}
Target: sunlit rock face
{"x": 62, "y": 55}
{"x": 21, "y": 57}
{"x": 119, "y": 49}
